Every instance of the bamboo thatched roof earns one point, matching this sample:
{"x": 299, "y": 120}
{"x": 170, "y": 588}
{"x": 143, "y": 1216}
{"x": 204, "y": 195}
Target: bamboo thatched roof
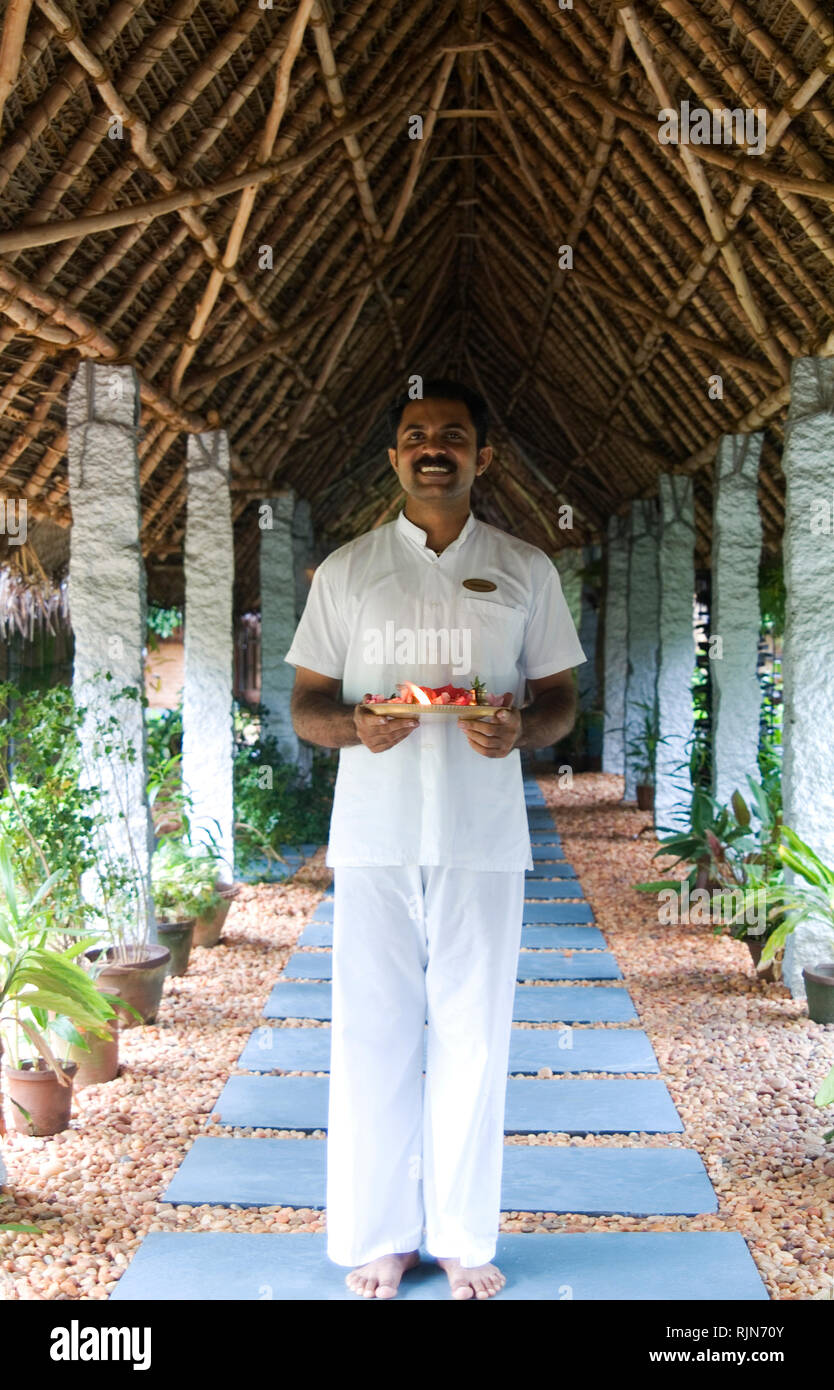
{"x": 287, "y": 128}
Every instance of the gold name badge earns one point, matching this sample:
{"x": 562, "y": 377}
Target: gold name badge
{"x": 481, "y": 586}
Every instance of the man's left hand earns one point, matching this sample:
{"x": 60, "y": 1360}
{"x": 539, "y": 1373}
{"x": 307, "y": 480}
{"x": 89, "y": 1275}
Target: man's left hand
{"x": 497, "y": 736}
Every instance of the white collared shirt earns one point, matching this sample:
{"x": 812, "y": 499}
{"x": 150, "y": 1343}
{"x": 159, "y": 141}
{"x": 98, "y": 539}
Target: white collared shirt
{"x": 384, "y": 609}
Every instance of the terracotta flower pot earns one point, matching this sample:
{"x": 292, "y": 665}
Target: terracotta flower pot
{"x": 754, "y": 946}
{"x": 138, "y": 982}
{"x": 101, "y": 1063}
{"x": 819, "y": 991}
{"x": 645, "y": 796}
{"x": 208, "y": 927}
{"x": 36, "y": 1087}
{"x": 178, "y": 937}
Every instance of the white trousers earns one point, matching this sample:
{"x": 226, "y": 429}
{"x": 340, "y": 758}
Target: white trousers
{"x": 410, "y": 1162}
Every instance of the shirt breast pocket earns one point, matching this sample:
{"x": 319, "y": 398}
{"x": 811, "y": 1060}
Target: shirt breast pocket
{"x": 496, "y": 636}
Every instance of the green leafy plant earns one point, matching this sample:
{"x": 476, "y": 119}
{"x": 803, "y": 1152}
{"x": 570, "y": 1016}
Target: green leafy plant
{"x": 44, "y": 993}
{"x": 641, "y": 747}
{"x": 273, "y": 803}
{"x": 792, "y": 903}
{"x": 120, "y": 904}
{"x": 731, "y": 855}
{"x": 42, "y": 801}
{"x": 162, "y": 622}
{"x": 184, "y": 877}
{"x": 772, "y": 595}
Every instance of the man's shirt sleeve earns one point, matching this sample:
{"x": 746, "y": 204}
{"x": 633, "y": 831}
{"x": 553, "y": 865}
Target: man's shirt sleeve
{"x": 321, "y": 640}
{"x": 551, "y": 642}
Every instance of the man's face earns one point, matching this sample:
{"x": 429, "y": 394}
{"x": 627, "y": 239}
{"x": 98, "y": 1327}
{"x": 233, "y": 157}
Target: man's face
{"x": 437, "y": 454}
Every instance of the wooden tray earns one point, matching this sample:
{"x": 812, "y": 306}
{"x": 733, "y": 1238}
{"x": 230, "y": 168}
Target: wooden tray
{"x": 401, "y": 711}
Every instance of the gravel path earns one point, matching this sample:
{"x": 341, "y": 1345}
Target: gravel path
{"x": 741, "y": 1059}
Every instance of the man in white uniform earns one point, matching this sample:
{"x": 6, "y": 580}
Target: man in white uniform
{"x": 429, "y": 844}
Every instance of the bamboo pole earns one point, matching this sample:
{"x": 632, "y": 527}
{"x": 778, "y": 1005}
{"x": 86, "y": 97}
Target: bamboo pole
{"x": 234, "y": 241}
{"x": 592, "y": 176}
{"x": 709, "y": 206}
{"x": 301, "y": 413}
{"x": 758, "y": 416}
{"x": 381, "y": 57}
{"x": 46, "y": 234}
{"x": 694, "y": 276}
{"x": 11, "y": 47}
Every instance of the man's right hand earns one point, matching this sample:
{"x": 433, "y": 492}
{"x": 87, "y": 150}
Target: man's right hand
{"x": 381, "y": 731}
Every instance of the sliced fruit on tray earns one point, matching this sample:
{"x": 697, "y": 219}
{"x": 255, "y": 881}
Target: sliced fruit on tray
{"x": 412, "y": 699}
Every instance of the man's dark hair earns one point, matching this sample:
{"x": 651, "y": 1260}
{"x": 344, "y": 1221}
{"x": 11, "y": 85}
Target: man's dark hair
{"x": 444, "y": 389}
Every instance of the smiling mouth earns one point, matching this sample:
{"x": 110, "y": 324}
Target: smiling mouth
{"x": 434, "y": 469}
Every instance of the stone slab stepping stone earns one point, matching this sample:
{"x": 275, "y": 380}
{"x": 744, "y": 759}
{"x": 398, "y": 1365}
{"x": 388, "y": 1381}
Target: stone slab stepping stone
{"x": 552, "y": 853}
{"x": 532, "y": 965}
{"x": 555, "y": 913}
{"x": 539, "y": 818}
{"x": 568, "y": 1049}
{"x": 561, "y": 1049}
{"x": 565, "y": 1179}
{"x": 569, "y": 938}
{"x": 545, "y": 837}
{"x": 552, "y": 869}
{"x": 549, "y": 888}
{"x": 309, "y": 965}
{"x": 564, "y": 1105}
{"x": 317, "y": 933}
{"x": 567, "y": 1105}
{"x": 532, "y": 1004}
{"x": 572, "y": 1004}
{"x": 555, "y": 965}
{"x": 600, "y": 1266}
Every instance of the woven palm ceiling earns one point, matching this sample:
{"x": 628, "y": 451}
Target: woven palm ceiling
{"x": 267, "y": 245}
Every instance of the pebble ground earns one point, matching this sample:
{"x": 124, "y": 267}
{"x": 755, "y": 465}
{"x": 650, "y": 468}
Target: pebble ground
{"x": 740, "y": 1057}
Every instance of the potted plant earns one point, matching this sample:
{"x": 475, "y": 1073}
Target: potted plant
{"x": 188, "y": 887}
{"x": 731, "y": 859}
{"x": 121, "y": 904}
{"x": 44, "y": 995}
{"x": 42, "y": 802}
{"x": 792, "y": 903}
{"x": 641, "y": 751}
{"x": 751, "y": 862}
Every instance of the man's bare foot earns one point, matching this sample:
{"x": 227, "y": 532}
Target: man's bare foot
{"x": 381, "y": 1278}
{"x": 482, "y": 1281}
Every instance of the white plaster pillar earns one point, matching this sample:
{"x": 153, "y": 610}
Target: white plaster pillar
{"x": 735, "y": 615}
{"x": 302, "y": 540}
{"x": 808, "y": 646}
{"x": 107, "y": 598}
{"x": 676, "y": 653}
{"x": 279, "y": 615}
{"x": 207, "y": 748}
{"x": 616, "y": 644}
{"x": 643, "y": 628}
